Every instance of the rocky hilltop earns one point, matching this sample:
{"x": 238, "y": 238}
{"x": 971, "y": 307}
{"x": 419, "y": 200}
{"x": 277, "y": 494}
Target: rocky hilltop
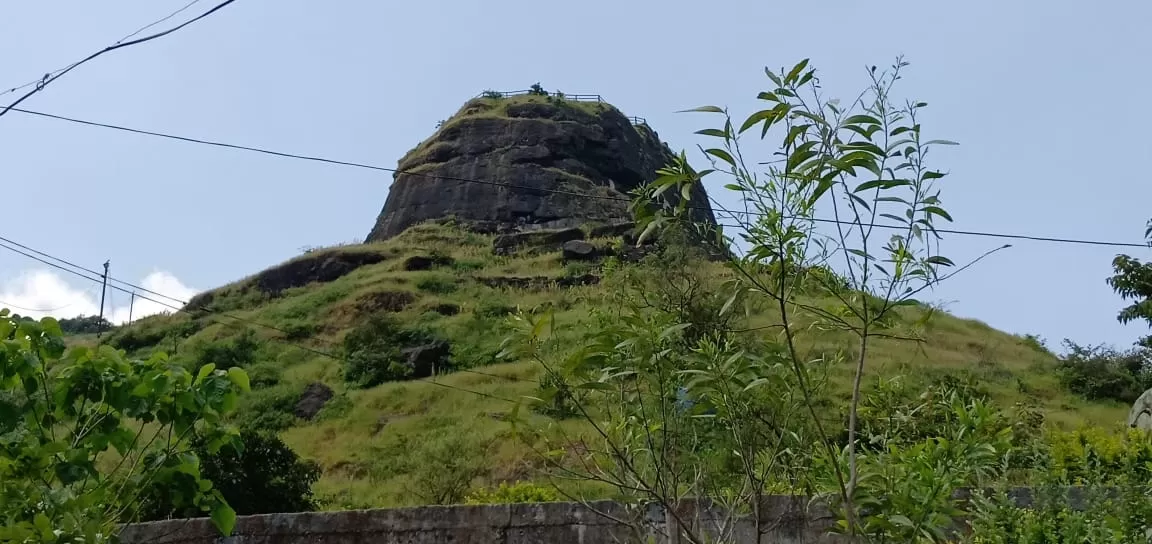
{"x": 505, "y": 163}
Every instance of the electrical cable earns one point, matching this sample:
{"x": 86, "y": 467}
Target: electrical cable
{"x": 986, "y": 234}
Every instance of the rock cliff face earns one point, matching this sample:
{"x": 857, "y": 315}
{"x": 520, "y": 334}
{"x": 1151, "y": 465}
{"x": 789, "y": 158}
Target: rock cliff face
{"x": 507, "y": 164}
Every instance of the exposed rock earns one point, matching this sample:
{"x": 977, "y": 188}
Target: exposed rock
{"x": 613, "y": 230}
{"x": 446, "y": 308}
{"x": 423, "y": 262}
{"x": 426, "y": 359}
{"x": 579, "y": 250}
{"x": 385, "y": 301}
{"x": 539, "y": 239}
{"x": 1141, "y": 414}
{"x": 314, "y": 397}
{"x": 536, "y": 157}
{"x": 319, "y": 267}
{"x": 539, "y": 282}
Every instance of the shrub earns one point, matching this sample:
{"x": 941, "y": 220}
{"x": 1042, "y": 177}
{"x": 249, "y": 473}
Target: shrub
{"x": 374, "y": 351}
{"x": 269, "y": 409}
{"x": 440, "y": 285}
{"x": 537, "y": 90}
{"x": 1098, "y": 372}
{"x": 238, "y": 351}
{"x": 264, "y": 477}
{"x": 516, "y": 493}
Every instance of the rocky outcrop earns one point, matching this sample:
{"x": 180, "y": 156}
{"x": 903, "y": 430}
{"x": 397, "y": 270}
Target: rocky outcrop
{"x": 523, "y": 163}
{"x": 312, "y": 400}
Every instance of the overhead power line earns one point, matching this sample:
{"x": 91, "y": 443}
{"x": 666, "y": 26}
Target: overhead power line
{"x": 325, "y": 160}
{"x": 126, "y": 37}
{"x": 42, "y": 257}
{"x": 53, "y": 76}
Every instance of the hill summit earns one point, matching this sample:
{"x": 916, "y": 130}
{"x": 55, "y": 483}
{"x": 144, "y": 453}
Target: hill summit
{"x": 507, "y": 162}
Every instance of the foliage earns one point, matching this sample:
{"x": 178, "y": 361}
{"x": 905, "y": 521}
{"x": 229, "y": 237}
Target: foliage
{"x": 264, "y": 476}
{"x": 1111, "y": 500}
{"x": 238, "y": 351}
{"x": 495, "y": 95}
{"x": 537, "y": 90}
{"x": 438, "y": 284}
{"x": 517, "y": 492}
{"x": 864, "y": 162}
{"x": 373, "y": 351}
{"x": 448, "y": 471}
{"x": 1099, "y": 372}
{"x": 1132, "y": 280}
{"x": 64, "y": 410}
{"x": 269, "y": 409}
{"x": 84, "y": 324}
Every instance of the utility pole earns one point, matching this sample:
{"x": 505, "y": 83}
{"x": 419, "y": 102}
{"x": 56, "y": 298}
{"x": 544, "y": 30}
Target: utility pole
{"x": 131, "y": 302}
{"x": 103, "y": 291}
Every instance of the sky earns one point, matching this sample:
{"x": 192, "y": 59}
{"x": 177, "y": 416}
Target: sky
{"x": 1048, "y": 101}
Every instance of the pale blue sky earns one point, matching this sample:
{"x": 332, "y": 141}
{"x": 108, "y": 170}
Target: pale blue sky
{"x": 1048, "y": 100}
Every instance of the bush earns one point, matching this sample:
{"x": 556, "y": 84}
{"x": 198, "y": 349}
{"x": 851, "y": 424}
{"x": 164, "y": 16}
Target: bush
{"x": 265, "y": 477}
{"x": 238, "y": 351}
{"x": 437, "y": 284}
{"x": 1099, "y": 373}
{"x": 374, "y": 351}
{"x": 84, "y": 324}
{"x": 269, "y": 409}
{"x": 518, "y": 492}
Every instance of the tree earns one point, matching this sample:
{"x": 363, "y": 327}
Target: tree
{"x": 84, "y": 432}
{"x": 263, "y": 476}
{"x": 864, "y": 162}
{"x": 1132, "y": 280}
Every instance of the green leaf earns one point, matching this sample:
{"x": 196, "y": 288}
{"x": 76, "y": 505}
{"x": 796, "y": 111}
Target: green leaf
{"x": 775, "y": 78}
{"x": 939, "y": 260}
{"x": 240, "y": 378}
{"x": 869, "y": 185}
{"x": 224, "y": 518}
{"x": 704, "y": 109}
{"x": 722, "y": 155}
{"x": 929, "y": 174}
{"x": 205, "y": 371}
{"x": 941, "y": 142}
{"x": 673, "y": 330}
{"x": 862, "y": 120}
{"x": 734, "y": 187}
{"x": 768, "y": 96}
{"x": 795, "y": 72}
{"x": 768, "y": 116}
{"x": 712, "y": 132}
{"x": 596, "y": 386}
{"x": 936, "y": 210}
{"x": 900, "y": 519}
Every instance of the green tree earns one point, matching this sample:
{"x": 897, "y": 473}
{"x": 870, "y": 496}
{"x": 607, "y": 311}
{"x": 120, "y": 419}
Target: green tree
{"x": 83, "y": 433}
{"x": 1132, "y": 280}
{"x": 264, "y": 476}
{"x": 861, "y": 163}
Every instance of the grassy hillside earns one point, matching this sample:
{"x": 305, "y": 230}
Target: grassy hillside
{"x": 395, "y": 443}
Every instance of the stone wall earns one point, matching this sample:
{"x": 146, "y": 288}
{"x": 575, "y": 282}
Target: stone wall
{"x": 791, "y": 520}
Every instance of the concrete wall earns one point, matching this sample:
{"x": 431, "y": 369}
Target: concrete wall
{"x": 791, "y": 521}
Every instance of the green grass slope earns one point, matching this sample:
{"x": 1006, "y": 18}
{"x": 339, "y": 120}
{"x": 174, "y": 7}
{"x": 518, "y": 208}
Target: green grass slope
{"x": 397, "y": 443}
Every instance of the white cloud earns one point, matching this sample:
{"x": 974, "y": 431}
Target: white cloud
{"x": 37, "y": 293}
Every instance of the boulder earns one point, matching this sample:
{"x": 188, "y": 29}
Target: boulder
{"x": 613, "y": 230}
{"x": 446, "y": 308}
{"x": 314, "y": 397}
{"x": 1140, "y": 416}
{"x": 427, "y": 262}
{"x": 579, "y": 250}
{"x": 508, "y": 244}
{"x": 427, "y": 359}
